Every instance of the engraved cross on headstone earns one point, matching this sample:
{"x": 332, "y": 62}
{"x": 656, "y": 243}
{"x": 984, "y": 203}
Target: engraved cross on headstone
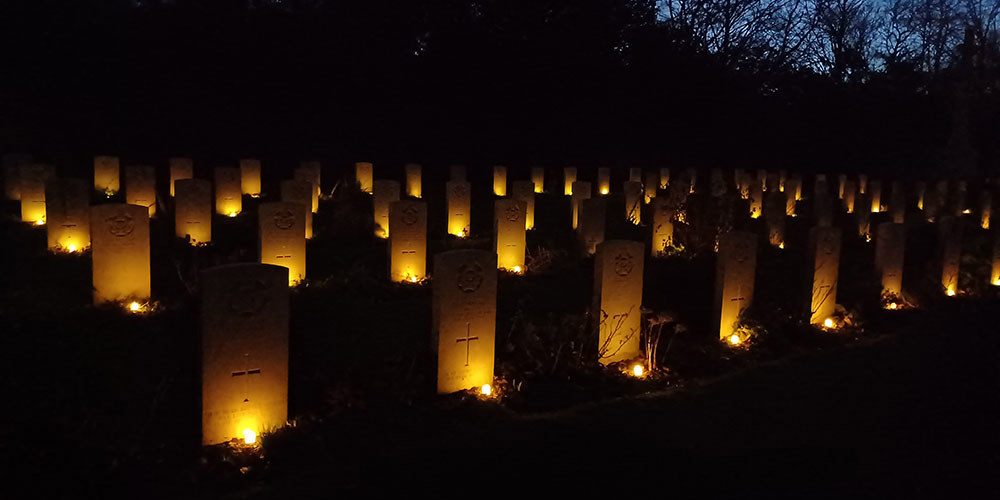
{"x": 468, "y": 342}
{"x": 246, "y": 373}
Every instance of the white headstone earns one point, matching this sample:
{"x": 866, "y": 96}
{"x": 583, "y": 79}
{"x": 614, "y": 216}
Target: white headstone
{"x": 281, "y": 226}
{"x": 580, "y": 191}
{"x": 465, "y": 298}
{"x": 734, "y": 280}
{"x": 384, "y": 193}
{"x": 890, "y": 248}
{"x": 509, "y": 234}
{"x": 33, "y": 178}
{"x": 311, "y": 171}
{"x": 180, "y": 168}
{"x": 244, "y": 347}
{"x": 524, "y": 191}
{"x": 363, "y": 176}
{"x": 407, "y": 241}
{"x": 459, "y": 197}
{"x": 824, "y": 242}
{"x": 300, "y": 192}
{"x": 119, "y": 236}
{"x": 67, "y": 212}
{"x": 228, "y": 191}
{"x": 413, "y": 180}
{"x": 569, "y": 177}
{"x": 250, "y": 177}
{"x": 593, "y": 216}
{"x": 633, "y": 202}
{"x": 193, "y": 210}
{"x": 617, "y": 310}
{"x": 140, "y": 187}
{"x": 106, "y": 175}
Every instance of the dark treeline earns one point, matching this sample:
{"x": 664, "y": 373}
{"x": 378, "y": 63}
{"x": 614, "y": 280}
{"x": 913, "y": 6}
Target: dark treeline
{"x": 839, "y": 85}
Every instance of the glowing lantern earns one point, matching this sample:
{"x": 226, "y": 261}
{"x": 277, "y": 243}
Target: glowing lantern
{"x": 828, "y": 323}
{"x": 985, "y": 209}
{"x": 921, "y": 192}
{"x": 193, "y": 210}
{"x": 32, "y": 191}
{"x": 459, "y": 198}
{"x": 281, "y": 226}
{"x": 140, "y": 187}
{"x": 67, "y": 213}
{"x": 464, "y": 323}
{"x": 228, "y": 191}
{"x": 736, "y": 266}
{"x": 509, "y": 234}
{"x": 120, "y": 252}
{"x": 892, "y": 306}
{"x": 580, "y": 191}
{"x": 875, "y": 193}
{"x": 569, "y": 177}
{"x": 841, "y": 182}
{"x": 486, "y": 390}
{"x": 106, "y": 174}
{"x": 180, "y": 168}
{"x": 384, "y": 193}
{"x": 604, "y": 180}
{"x": 407, "y": 240}
{"x": 250, "y": 177}
{"x": 364, "y": 176}
{"x": 244, "y": 344}
{"x": 862, "y": 183}
{"x": 524, "y": 191}
{"x": 734, "y": 339}
{"x": 618, "y": 270}
{"x": 500, "y": 180}
{"x": 664, "y": 177}
{"x": 413, "y": 185}
{"x": 301, "y": 192}
{"x": 134, "y": 306}
{"x": 637, "y": 370}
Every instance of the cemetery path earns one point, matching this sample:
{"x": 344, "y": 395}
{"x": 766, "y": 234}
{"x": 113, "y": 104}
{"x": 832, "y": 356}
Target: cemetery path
{"x": 912, "y": 416}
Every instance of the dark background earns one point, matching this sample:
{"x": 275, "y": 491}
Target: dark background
{"x": 615, "y": 82}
